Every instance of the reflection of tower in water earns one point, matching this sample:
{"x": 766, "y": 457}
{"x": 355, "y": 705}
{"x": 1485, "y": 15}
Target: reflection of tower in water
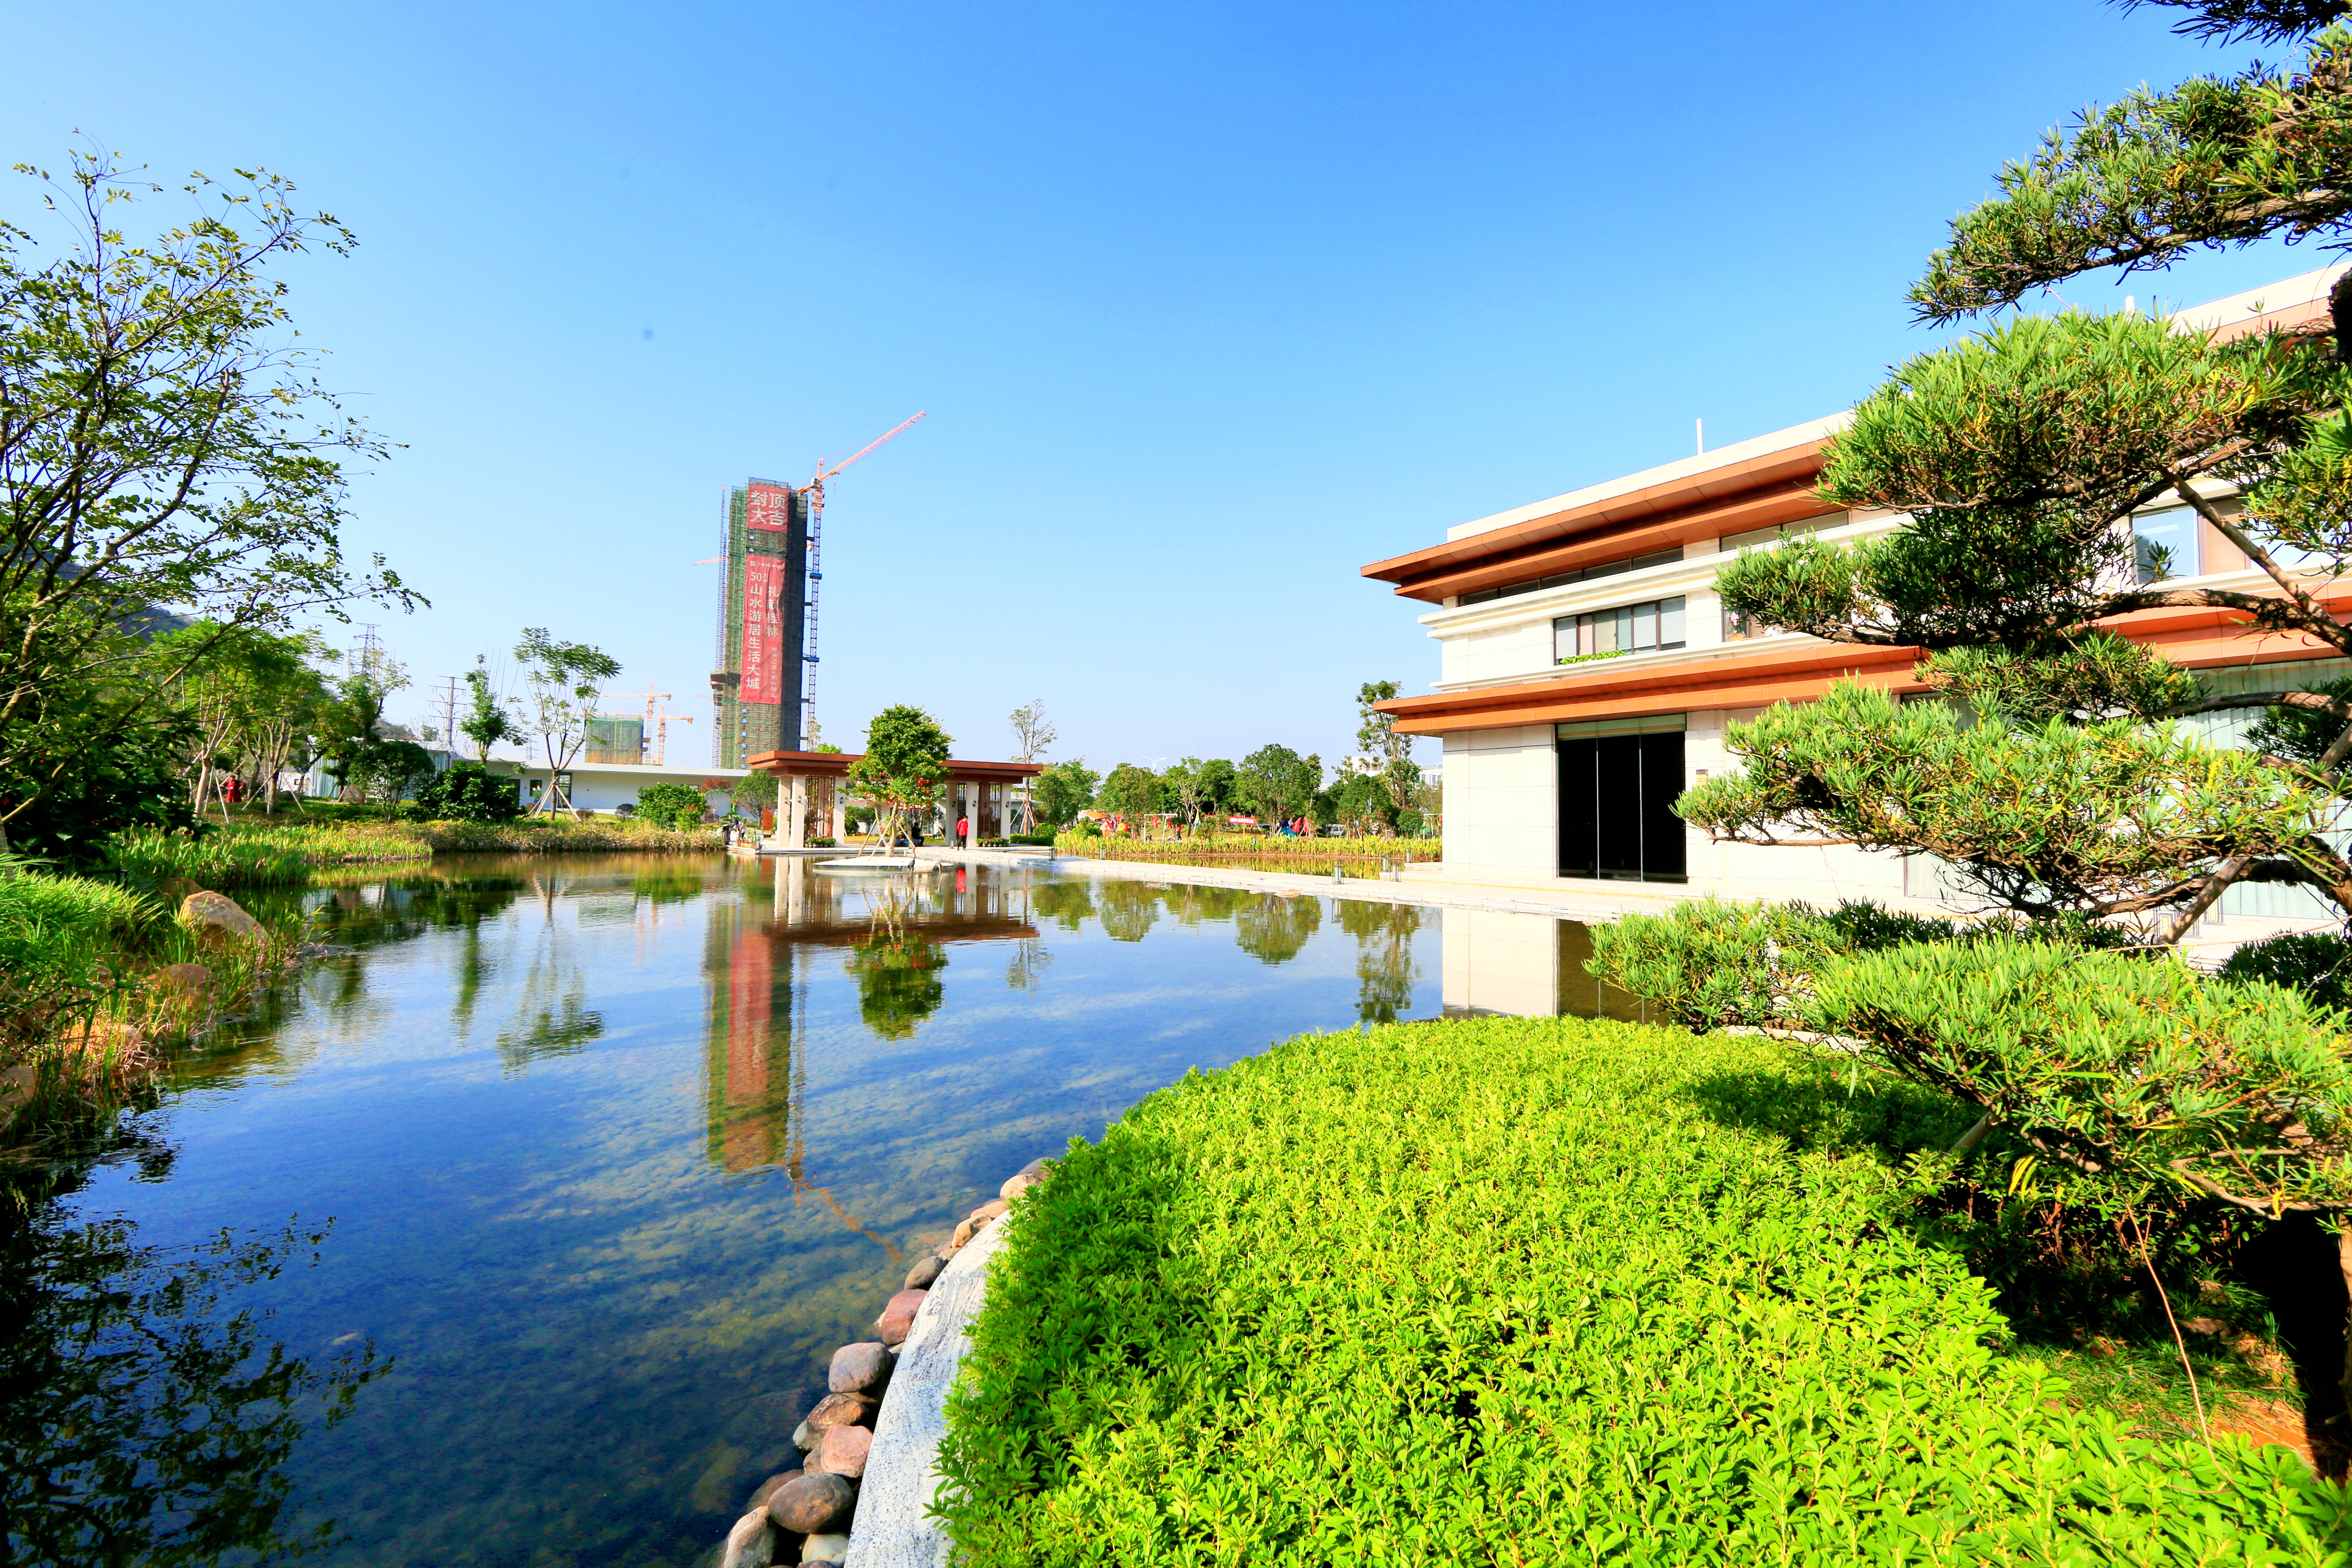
{"x": 753, "y": 1076}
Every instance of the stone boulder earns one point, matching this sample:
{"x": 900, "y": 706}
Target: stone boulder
{"x": 897, "y": 1318}
{"x": 863, "y": 1368}
{"x": 1032, "y": 1174}
{"x": 842, "y": 1450}
{"x": 925, "y": 1272}
{"x": 218, "y": 922}
{"x": 769, "y": 1489}
{"x": 751, "y": 1543}
{"x": 828, "y": 1549}
{"x": 812, "y": 1505}
{"x": 842, "y": 1410}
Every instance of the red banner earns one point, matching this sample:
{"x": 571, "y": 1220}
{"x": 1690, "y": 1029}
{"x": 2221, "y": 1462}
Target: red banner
{"x": 763, "y": 629}
{"x": 768, "y": 506}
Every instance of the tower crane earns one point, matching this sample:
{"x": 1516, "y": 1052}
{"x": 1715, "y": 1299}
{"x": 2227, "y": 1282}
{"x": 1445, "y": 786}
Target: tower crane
{"x": 814, "y": 491}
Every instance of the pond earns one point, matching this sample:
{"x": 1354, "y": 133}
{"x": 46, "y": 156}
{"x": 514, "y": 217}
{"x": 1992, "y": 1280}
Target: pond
{"x": 555, "y": 1187}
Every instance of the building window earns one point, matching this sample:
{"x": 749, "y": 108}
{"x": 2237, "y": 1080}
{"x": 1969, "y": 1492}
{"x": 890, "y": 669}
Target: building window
{"x": 1629, "y": 628}
{"x": 2164, "y": 545}
{"x": 1618, "y": 783}
{"x": 1740, "y": 628}
{"x": 1561, "y": 579}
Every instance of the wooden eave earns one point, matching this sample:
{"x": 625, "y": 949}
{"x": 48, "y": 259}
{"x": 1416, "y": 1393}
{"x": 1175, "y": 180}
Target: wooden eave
{"x": 837, "y": 764}
{"x": 2193, "y": 637}
{"x": 1754, "y": 492}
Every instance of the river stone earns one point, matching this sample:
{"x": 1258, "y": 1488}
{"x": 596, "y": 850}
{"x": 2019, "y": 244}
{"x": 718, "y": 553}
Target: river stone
{"x": 1032, "y": 1174}
{"x": 993, "y": 1209}
{"x": 217, "y": 922}
{"x": 813, "y": 1504}
{"x": 962, "y": 1237}
{"x": 897, "y": 1320}
{"x": 767, "y": 1489}
{"x": 843, "y": 1449}
{"x": 842, "y": 1410}
{"x": 862, "y": 1368}
{"x": 824, "y": 1549}
{"x": 803, "y": 1437}
{"x": 750, "y": 1545}
{"x": 925, "y": 1270}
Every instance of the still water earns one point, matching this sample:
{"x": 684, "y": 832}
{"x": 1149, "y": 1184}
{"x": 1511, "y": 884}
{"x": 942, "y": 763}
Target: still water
{"x": 556, "y": 1187}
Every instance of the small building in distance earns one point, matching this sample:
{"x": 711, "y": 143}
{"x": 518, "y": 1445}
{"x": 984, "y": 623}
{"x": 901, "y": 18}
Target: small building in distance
{"x": 1588, "y": 670}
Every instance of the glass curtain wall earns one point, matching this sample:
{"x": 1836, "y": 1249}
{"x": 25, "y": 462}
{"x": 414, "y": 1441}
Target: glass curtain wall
{"x": 1618, "y": 781}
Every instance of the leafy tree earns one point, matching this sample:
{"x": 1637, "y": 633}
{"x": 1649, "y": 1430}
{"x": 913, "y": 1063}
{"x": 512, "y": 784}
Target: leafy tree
{"x": 1132, "y": 792}
{"x": 358, "y": 753}
{"x": 248, "y": 691}
{"x": 1065, "y": 789}
{"x": 2020, "y": 455}
{"x": 161, "y": 445}
{"x": 1390, "y": 753}
{"x": 114, "y": 758}
{"x": 564, "y": 678}
{"x": 1276, "y": 783}
{"x": 903, "y": 769}
{"x": 1215, "y": 777}
{"x": 488, "y": 719}
{"x": 1032, "y": 735}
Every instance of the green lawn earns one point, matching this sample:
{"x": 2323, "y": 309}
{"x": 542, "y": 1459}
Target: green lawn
{"x": 1536, "y": 1291}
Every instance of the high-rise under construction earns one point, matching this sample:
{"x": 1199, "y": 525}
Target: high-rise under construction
{"x": 757, "y": 683}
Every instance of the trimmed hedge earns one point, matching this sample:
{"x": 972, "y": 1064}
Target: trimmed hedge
{"x": 1536, "y": 1291}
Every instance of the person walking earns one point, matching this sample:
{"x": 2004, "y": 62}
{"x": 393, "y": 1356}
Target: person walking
{"x": 963, "y": 832}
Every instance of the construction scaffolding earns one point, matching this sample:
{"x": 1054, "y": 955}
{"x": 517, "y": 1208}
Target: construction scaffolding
{"x": 756, "y": 682}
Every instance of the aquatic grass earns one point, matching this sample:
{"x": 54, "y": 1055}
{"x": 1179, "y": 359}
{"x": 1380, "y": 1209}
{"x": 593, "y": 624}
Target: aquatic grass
{"x": 61, "y": 940}
{"x": 1520, "y": 1291}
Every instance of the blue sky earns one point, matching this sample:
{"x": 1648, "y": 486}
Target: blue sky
{"x": 1209, "y": 305}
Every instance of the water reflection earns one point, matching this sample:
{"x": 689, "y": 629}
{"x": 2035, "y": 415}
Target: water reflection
{"x": 146, "y": 1417}
{"x": 620, "y": 1151}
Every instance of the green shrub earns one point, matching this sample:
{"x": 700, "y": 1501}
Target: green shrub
{"x": 2317, "y": 963}
{"x": 1710, "y": 963}
{"x": 2133, "y": 1063}
{"x": 670, "y": 805}
{"x": 1515, "y": 1291}
{"x": 467, "y": 792}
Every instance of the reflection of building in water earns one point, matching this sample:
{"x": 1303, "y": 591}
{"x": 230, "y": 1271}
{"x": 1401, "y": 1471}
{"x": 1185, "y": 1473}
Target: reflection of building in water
{"x": 752, "y": 1082}
{"x": 1529, "y": 966}
{"x": 892, "y": 932}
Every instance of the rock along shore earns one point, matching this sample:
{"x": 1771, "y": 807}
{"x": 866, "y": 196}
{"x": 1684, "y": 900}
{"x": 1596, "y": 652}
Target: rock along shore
{"x": 882, "y": 1417}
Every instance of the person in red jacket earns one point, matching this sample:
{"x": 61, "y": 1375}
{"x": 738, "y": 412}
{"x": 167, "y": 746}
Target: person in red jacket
{"x": 963, "y": 831}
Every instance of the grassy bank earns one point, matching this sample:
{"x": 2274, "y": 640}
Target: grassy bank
{"x": 1254, "y": 852}
{"x": 254, "y": 852}
{"x": 101, "y": 983}
{"x": 1522, "y": 1291}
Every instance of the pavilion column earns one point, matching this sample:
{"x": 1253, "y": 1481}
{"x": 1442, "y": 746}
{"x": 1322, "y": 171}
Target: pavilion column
{"x": 838, "y": 793}
{"x": 796, "y": 818}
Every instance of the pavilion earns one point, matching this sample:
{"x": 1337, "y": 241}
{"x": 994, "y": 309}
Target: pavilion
{"x": 810, "y": 790}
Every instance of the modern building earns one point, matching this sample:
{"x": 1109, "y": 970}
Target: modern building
{"x": 756, "y": 683}
{"x": 1588, "y": 670}
{"x": 607, "y": 786}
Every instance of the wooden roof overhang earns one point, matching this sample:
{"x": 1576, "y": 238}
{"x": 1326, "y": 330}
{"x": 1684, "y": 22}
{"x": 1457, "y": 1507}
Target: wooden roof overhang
{"x": 837, "y": 764}
{"x": 2194, "y": 637}
{"x": 1761, "y": 491}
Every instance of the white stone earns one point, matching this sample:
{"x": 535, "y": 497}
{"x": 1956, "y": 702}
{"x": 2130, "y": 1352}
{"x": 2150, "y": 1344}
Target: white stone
{"x": 824, "y": 1549}
{"x": 893, "y": 1529}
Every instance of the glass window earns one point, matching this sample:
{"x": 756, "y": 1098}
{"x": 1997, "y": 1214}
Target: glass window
{"x": 1649, "y": 627}
{"x": 2164, "y": 543}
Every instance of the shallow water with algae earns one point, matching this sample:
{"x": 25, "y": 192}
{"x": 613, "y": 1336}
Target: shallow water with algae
{"x": 552, "y": 1189}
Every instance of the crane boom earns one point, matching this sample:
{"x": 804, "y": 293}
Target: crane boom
{"x": 815, "y": 493}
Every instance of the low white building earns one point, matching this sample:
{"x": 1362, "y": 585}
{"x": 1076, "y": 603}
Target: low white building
{"x": 607, "y": 786}
{"x": 1587, "y": 670}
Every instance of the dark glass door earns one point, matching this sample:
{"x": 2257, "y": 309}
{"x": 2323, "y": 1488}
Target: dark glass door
{"x": 1616, "y": 808}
